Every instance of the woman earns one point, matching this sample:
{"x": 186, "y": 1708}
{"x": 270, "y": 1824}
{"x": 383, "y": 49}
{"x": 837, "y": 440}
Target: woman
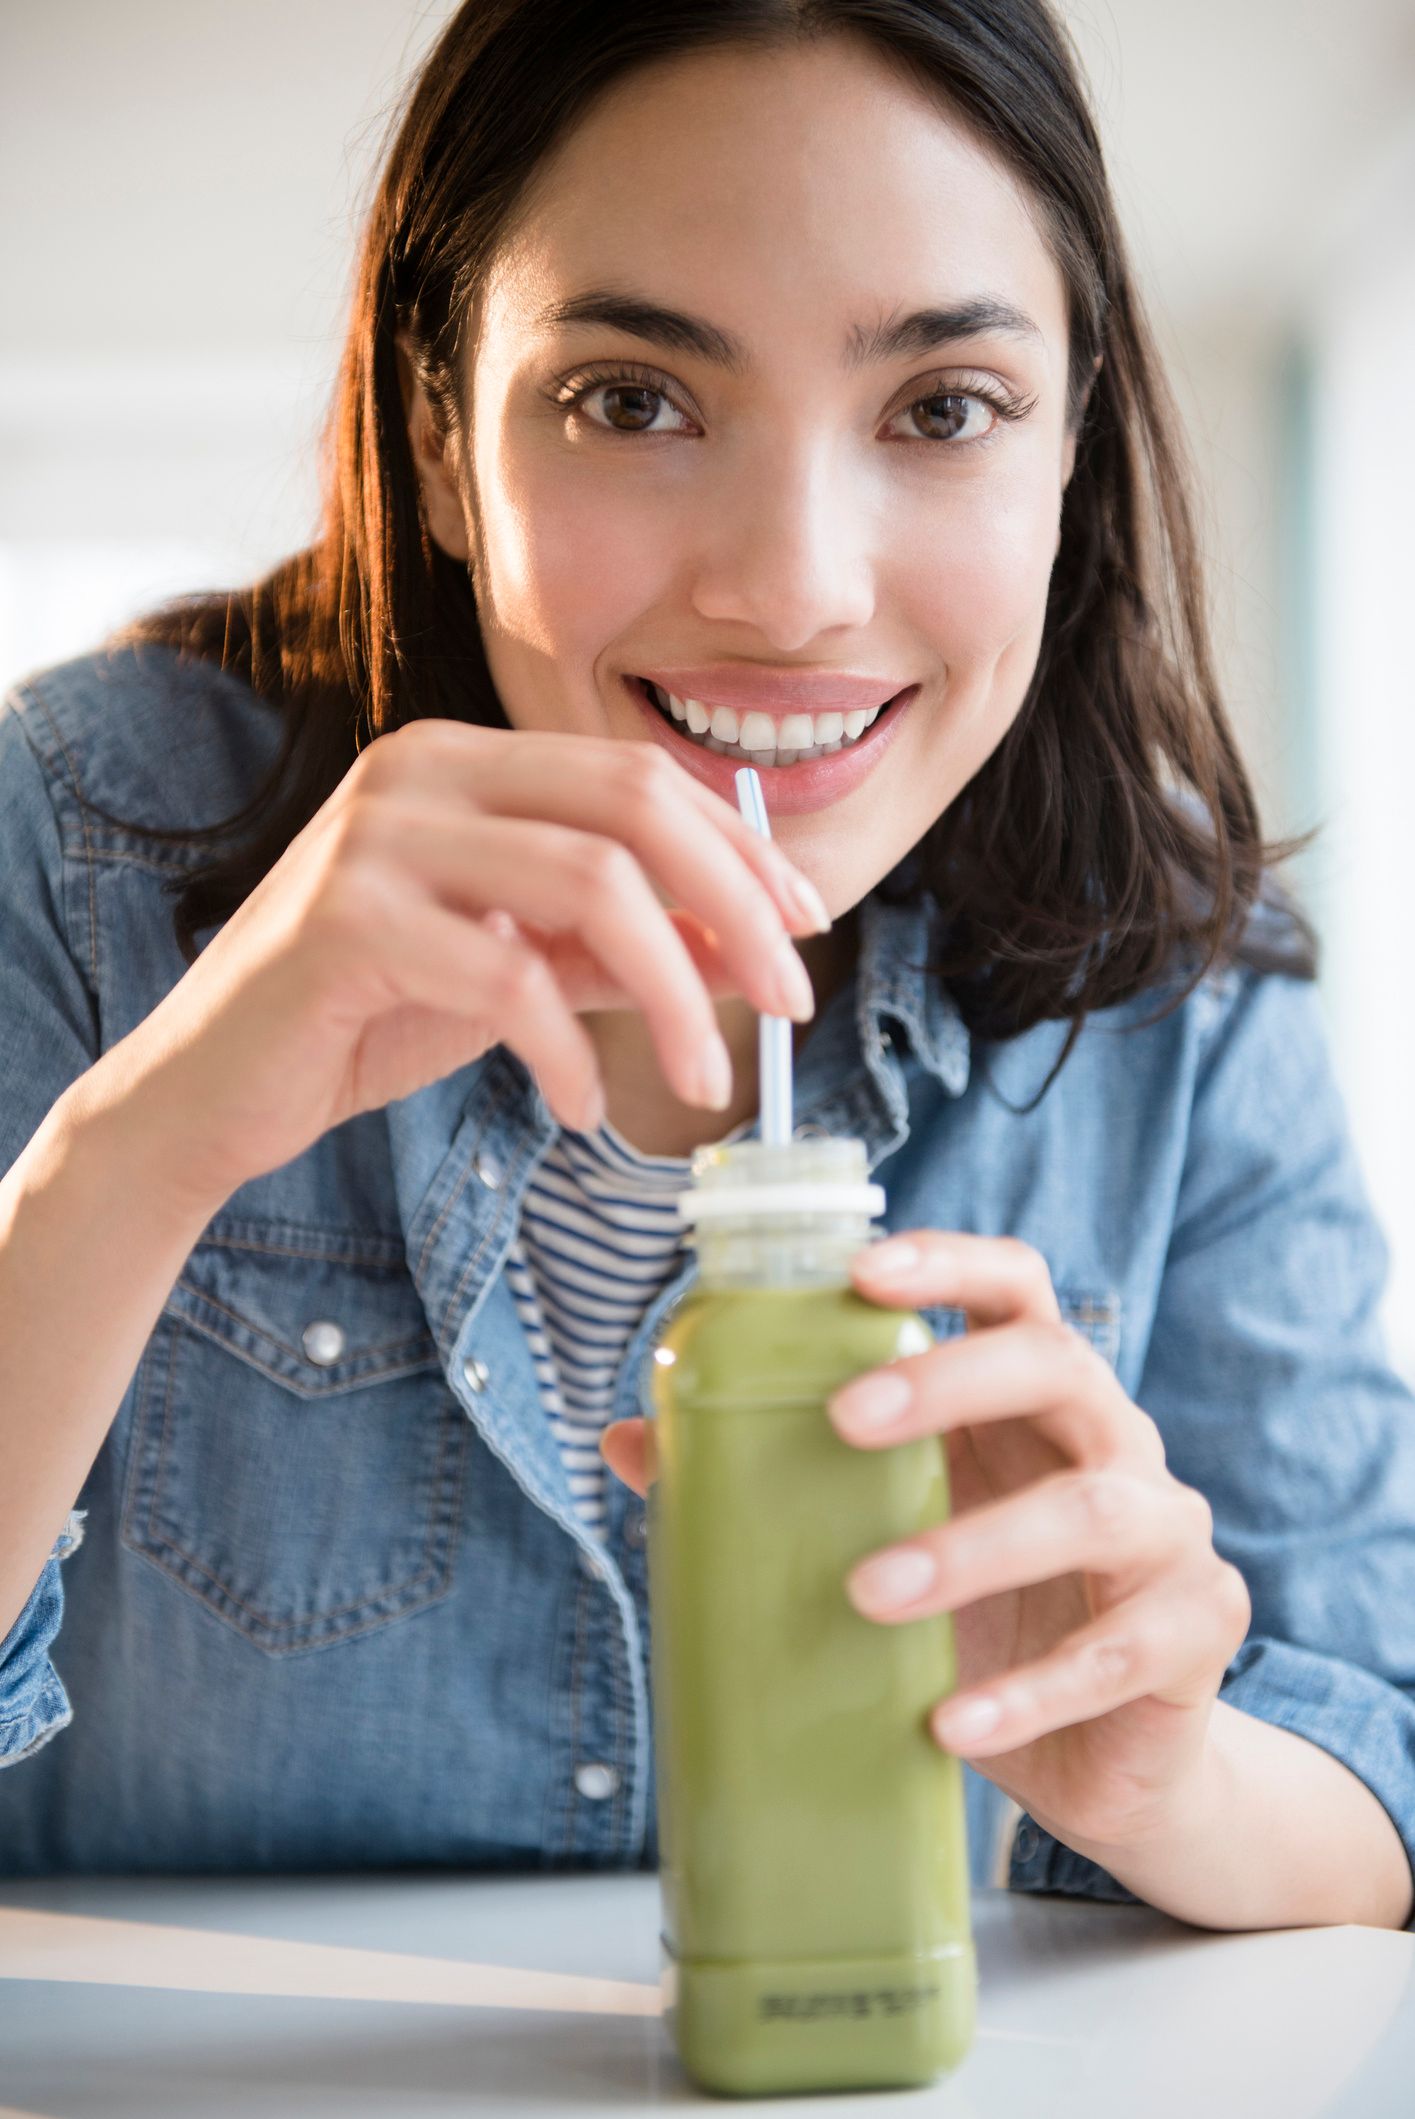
{"x": 761, "y": 379}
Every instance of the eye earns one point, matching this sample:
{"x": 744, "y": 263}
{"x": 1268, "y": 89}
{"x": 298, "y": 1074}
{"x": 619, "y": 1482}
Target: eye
{"x": 630, "y": 404}
{"x": 954, "y": 415}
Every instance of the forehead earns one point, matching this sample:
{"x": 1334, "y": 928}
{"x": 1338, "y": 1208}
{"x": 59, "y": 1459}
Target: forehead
{"x": 781, "y": 192}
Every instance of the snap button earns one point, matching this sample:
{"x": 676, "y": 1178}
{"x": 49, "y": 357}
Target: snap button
{"x": 1025, "y": 1844}
{"x": 886, "y": 1040}
{"x": 596, "y": 1782}
{"x": 323, "y": 1341}
{"x": 636, "y": 1528}
{"x": 488, "y": 1171}
{"x": 475, "y": 1374}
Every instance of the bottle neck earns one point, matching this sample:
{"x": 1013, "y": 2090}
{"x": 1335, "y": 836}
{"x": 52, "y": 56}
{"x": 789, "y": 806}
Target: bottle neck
{"x": 788, "y": 1215}
{"x": 796, "y": 1251}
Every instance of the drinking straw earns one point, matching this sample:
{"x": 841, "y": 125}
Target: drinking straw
{"x": 773, "y": 1031}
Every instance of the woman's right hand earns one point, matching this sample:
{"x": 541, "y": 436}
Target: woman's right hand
{"x": 464, "y": 887}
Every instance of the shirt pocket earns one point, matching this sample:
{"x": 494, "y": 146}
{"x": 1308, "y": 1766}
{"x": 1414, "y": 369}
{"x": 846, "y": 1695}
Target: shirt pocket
{"x": 296, "y": 1457}
{"x": 1093, "y": 1312}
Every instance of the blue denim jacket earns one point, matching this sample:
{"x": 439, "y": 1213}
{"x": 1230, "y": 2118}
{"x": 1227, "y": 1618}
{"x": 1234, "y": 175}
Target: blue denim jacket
{"x": 328, "y": 1603}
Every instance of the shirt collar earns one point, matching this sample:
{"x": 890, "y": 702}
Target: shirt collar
{"x": 895, "y": 990}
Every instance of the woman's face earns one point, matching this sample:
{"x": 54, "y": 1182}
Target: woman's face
{"x": 752, "y": 509}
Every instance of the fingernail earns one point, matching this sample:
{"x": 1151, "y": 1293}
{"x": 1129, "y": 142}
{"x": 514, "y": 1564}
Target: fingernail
{"x": 793, "y": 983}
{"x": 715, "y": 1075}
{"x": 871, "y": 1402}
{"x": 893, "y": 1259}
{"x": 964, "y": 1721}
{"x": 807, "y": 899}
{"x": 894, "y": 1578}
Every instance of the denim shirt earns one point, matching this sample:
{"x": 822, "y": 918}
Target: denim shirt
{"x": 325, "y": 1602}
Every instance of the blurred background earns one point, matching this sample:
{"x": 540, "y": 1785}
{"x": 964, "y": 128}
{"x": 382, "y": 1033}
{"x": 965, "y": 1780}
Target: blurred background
{"x": 182, "y": 189}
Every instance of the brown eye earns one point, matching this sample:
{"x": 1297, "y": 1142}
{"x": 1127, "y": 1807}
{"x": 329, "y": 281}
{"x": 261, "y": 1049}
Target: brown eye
{"x": 952, "y": 416}
{"x": 629, "y": 408}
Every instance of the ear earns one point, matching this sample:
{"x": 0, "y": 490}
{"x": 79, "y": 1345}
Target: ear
{"x": 442, "y": 500}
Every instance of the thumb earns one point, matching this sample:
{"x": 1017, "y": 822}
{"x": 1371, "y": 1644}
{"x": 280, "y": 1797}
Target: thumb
{"x": 627, "y": 1447}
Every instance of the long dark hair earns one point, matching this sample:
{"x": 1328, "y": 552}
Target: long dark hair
{"x": 1111, "y": 836}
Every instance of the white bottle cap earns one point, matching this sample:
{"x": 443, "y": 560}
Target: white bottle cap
{"x": 736, "y": 1202}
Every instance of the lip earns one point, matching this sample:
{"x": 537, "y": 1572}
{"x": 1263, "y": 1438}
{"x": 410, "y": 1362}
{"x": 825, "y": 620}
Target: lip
{"x": 766, "y": 690}
{"x": 787, "y": 790}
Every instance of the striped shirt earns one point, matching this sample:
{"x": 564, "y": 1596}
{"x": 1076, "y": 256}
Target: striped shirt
{"x": 599, "y": 1237}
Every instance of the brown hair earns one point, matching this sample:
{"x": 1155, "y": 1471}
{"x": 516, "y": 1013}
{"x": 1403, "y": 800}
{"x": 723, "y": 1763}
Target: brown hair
{"x": 1111, "y": 836}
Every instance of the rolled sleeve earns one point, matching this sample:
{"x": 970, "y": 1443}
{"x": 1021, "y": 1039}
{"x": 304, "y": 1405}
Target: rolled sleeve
{"x": 1268, "y": 1376}
{"x": 49, "y": 1036}
{"x": 1364, "y": 1722}
{"x": 33, "y": 1703}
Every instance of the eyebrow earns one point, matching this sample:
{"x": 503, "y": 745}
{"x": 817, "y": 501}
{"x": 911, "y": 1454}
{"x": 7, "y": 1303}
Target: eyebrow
{"x": 898, "y": 338}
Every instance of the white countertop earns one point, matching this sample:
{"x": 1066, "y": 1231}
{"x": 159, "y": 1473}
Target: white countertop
{"x": 388, "y": 1997}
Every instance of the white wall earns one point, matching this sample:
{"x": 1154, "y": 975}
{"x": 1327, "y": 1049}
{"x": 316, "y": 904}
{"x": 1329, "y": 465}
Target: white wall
{"x": 1363, "y": 431}
{"x": 183, "y": 188}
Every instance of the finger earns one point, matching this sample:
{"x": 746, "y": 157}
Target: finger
{"x": 629, "y": 791}
{"x": 627, "y": 1447}
{"x": 1043, "y": 1371}
{"x": 992, "y": 1278}
{"x": 682, "y": 848}
{"x": 572, "y": 880}
{"x": 437, "y": 957}
{"x": 1172, "y": 1644}
{"x": 586, "y": 983}
{"x": 1107, "y": 1522}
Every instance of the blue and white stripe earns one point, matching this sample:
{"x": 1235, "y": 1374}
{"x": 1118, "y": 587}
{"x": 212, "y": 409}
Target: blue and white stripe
{"x": 599, "y": 1236}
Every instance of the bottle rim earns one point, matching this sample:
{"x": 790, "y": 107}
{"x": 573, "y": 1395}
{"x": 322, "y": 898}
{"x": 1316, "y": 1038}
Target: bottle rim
{"x": 738, "y": 1202}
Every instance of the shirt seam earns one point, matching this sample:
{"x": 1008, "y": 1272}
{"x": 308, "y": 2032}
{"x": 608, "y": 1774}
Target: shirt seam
{"x": 30, "y": 691}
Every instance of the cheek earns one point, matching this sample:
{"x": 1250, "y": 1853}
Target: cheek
{"x": 561, "y": 567}
{"x": 975, "y": 572}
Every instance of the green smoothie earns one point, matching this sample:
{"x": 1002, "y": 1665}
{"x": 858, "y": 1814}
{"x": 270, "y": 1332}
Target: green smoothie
{"x": 815, "y": 1880}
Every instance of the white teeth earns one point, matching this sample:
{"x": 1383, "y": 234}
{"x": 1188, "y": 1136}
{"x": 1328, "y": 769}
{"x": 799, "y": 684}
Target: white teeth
{"x": 786, "y": 741}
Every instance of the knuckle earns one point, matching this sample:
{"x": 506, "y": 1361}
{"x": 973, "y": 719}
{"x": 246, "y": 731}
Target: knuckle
{"x": 1109, "y": 1665}
{"x": 519, "y": 982}
{"x": 358, "y": 832}
{"x": 604, "y": 869}
{"x": 1199, "y": 1513}
{"x": 1237, "y": 1604}
{"x": 1149, "y": 1441}
{"x": 646, "y": 779}
{"x": 1027, "y": 1264}
{"x": 381, "y": 764}
{"x": 1105, "y": 1502}
{"x": 1071, "y": 1355}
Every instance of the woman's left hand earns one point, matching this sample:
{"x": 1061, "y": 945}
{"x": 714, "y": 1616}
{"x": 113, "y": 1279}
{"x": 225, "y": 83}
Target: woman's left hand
{"x": 1092, "y": 1616}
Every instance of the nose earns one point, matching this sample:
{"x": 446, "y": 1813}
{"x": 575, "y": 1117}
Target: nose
{"x": 788, "y": 549}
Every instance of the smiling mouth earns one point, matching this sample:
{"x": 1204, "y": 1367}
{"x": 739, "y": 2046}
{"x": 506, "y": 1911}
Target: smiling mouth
{"x": 763, "y": 739}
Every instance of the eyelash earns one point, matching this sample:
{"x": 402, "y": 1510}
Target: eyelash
{"x": 571, "y": 394}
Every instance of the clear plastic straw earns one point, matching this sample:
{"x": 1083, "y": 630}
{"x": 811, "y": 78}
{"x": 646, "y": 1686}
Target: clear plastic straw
{"x": 773, "y": 1031}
